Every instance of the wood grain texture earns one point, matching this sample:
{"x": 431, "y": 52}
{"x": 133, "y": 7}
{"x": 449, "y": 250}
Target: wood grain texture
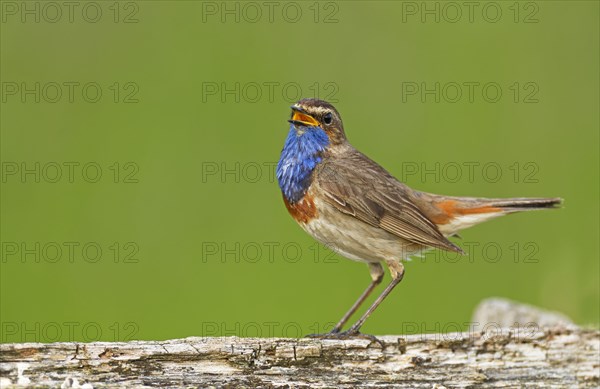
{"x": 509, "y": 345}
{"x": 559, "y": 357}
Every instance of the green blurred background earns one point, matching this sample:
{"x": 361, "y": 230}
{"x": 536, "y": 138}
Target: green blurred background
{"x": 195, "y": 196}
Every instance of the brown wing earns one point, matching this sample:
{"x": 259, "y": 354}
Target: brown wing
{"x": 357, "y": 186}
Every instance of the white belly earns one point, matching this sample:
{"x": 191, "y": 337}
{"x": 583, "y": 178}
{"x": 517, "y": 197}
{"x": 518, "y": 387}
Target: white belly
{"x": 355, "y": 239}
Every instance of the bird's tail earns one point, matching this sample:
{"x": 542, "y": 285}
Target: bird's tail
{"x": 514, "y": 204}
{"x": 452, "y": 214}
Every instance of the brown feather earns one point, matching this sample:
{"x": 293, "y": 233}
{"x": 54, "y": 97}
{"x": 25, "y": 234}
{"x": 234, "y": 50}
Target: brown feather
{"x": 359, "y": 187}
{"x": 443, "y": 209}
{"x": 302, "y": 211}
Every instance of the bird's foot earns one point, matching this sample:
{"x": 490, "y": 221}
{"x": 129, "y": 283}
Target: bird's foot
{"x": 344, "y": 335}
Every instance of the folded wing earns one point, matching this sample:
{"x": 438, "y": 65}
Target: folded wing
{"x": 357, "y": 186}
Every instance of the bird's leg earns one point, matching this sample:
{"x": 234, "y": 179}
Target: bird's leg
{"x": 397, "y": 272}
{"x": 377, "y": 273}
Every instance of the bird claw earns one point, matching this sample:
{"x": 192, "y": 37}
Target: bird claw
{"x": 346, "y": 335}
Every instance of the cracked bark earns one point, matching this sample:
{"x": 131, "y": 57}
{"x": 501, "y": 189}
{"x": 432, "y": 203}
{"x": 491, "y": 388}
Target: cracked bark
{"x": 523, "y": 356}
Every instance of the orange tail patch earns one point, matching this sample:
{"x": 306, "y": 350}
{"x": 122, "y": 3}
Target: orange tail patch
{"x": 449, "y": 209}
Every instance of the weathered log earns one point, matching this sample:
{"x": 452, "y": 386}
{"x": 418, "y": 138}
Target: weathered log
{"x": 528, "y": 356}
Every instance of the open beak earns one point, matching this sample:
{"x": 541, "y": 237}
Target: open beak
{"x": 302, "y": 118}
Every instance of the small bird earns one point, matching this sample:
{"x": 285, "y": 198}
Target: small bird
{"x": 348, "y": 202}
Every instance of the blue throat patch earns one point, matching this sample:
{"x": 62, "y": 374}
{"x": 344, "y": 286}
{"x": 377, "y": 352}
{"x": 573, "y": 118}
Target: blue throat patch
{"x": 299, "y": 157}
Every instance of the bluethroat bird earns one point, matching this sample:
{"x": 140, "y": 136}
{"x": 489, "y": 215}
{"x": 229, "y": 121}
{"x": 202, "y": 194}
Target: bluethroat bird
{"x": 354, "y": 206}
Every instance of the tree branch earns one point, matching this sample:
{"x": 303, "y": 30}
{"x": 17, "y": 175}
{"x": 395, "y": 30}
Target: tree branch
{"x": 518, "y": 357}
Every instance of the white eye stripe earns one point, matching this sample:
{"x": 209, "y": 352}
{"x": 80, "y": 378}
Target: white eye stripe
{"x": 319, "y": 111}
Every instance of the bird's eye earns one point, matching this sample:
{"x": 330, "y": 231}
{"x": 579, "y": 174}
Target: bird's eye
{"x": 328, "y": 118}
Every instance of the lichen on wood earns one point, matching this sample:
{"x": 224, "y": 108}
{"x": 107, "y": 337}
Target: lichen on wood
{"x": 559, "y": 357}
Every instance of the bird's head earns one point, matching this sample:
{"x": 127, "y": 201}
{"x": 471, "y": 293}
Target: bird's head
{"x": 314, "y": 115}
{"x": 315, "y": 130}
